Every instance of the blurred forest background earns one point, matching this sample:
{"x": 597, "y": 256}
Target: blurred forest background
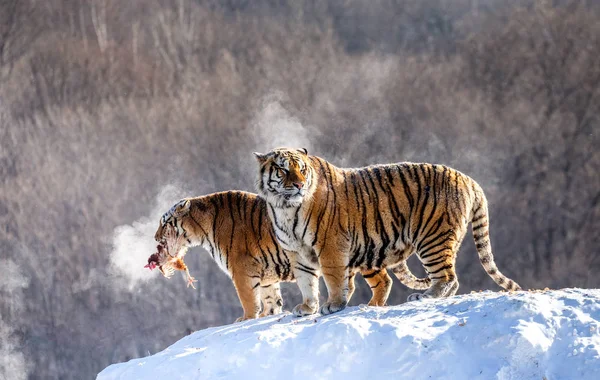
{"x": 111, "y": 110}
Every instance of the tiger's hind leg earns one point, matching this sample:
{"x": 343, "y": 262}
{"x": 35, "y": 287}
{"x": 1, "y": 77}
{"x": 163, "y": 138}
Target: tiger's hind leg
{"x": 351, "y": 286}
{"x": 439, "y": 262}
{"x": 272, "y": 303}
{"x": 454, "y": 289}
{"x": 380, "y": 283}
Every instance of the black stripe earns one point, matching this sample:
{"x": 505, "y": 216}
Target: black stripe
{"x": 296, "y": 217}
{"x": 375, "y": 195}
{"x": 199, "y": 226}
{"x": 440, "y": 269}
{"x": 353, "y": 246}
{"x": 417, "y": 180}
{"x": 404, "y": 226}
{"x": 306, "y": 271}
{"x": 368, "y": 242}
{"x": 477, "y": 237}
{"x": 360, "y": 209}
{"x": 434, "y": 229}
{"x": 212, "y": 250}
{"x": 213, "y": 200}
{"x": 480, "y": 227}
{"x": 406, "y": 188}
{"x": 230, "y": 204}
{"x": 385, "y": 239}
{"x": 275, "y": 264}
{"x": 422, "y": 213}
{"x": 305, "y": 266}
{"x": 262, "y": 175}
{"x": 392, "y": 200}
{"x": 434, "y": 241}
{"x": 274, "y": 216}
{"x": 433, "y": 253}
{"x": 261, "y": 216}
{"x": 285, "y": 271}
{"x": 323, "y": 207}
{"x": 308, "y": 219}
{"x": 354, "y": 258}
{"x": 462, "y": 200}
{"x": 482, "y": 244}
{"x": 333, "y": 213}
{"x": 407, "y": 192}
{"x": 347, "y": 200}
{"x": 478, "y": 218}
{"x": 361, "y": 174}
{"x": 433, "y": 190}
{"x": 371, "y": 275}
{"x": 239, "y": 197}
{"x": 478, "y": 208}
{"x": 376, "y": 285}
{"x": 432, "y": 263}
{"x": 265, "y": 258}
{"x": 252, "y": 209}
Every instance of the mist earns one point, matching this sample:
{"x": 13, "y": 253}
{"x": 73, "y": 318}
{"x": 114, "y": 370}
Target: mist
{"x": 134, "y": 243}
{"x": 275, "y": 126}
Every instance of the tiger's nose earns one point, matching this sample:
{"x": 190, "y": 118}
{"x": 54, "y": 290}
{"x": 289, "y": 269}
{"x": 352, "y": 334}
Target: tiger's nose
{"x": 298, "y": 185}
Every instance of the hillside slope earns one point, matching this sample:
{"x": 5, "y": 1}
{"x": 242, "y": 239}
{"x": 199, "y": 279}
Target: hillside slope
{"x": 524, "y": 335}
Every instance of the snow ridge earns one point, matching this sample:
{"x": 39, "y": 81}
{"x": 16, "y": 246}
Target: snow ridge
{"x": 523, "y": 335}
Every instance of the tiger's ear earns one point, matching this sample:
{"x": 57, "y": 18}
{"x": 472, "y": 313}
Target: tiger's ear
{"x": 261, "y": 158}
{"x": 182, "y": 208}
{"x": 303, "y": 150}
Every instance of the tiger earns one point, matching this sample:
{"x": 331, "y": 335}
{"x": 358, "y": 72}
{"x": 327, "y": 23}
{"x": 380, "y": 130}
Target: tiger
{"x": 375, "y": 217}
{"x": 235, "y": 229}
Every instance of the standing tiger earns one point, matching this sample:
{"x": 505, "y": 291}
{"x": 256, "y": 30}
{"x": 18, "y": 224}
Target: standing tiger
{"x": 235, "y": 229}
{"x": 375, "y": 217}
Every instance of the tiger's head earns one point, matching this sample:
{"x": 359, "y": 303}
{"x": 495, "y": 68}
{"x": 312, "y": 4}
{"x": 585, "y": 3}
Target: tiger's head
{"x": 172, "y": 237}
{"x": 286, "y": 176}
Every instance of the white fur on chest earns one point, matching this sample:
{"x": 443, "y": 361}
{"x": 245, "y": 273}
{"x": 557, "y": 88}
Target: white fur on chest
{"x": 288, "y": 224}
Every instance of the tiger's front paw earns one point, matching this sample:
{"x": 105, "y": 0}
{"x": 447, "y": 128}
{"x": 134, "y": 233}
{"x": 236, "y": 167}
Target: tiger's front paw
{"x": 271, "y": 311}
{"x": 374, "y": 302}
{"x": 303, "y": 309}
{"x": 332, "y": 307}
{"x": 417, "y": 297}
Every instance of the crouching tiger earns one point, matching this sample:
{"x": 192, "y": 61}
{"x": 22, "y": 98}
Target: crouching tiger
{"x": 375, "y": 217}
{"x": 235, "y": 229}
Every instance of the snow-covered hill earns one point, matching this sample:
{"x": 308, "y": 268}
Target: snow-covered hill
{"x": 552, "y": 335}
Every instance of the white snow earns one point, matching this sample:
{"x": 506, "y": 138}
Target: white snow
{"x": 524, "y": 335}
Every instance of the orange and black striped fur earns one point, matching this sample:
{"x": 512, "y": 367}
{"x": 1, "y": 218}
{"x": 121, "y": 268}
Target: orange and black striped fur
{"x": 235, "y": 229}
{"x": 374, "y": 218}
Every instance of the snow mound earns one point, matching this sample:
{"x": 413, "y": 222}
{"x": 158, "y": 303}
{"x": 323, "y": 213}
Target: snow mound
{"x": 523, "y": 335}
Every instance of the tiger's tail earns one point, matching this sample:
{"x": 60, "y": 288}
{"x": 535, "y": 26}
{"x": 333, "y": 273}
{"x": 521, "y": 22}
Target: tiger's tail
{"x": 481, "y": 228}
{"x": 410, "y": 280}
